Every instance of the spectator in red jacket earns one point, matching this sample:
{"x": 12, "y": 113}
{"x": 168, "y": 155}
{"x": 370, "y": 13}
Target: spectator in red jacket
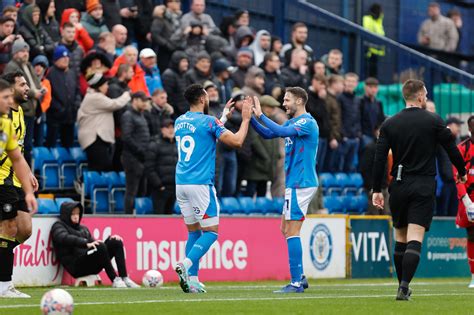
{"x": 130, "y": 56}
{"x": 82, "y": 36}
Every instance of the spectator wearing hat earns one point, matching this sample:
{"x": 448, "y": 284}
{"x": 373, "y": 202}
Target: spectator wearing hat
{"x": 160, "y": 110}
{"x": 174, "y": 82}
{"x": 296, "y": 73}
{"x": 165, "y": 23}
{"x": 96, "y": 129}
{"x": 447, "y": 202}
{"x": 93, "y": 62}
{"x": 82, "y": 36}
{"x": 34, "y": 33}
{"x": 243, "y": 38}
{"x": 152, "y": 73}
{"x": 260, "y": 46}
{"x": 130, "y": 56}
{"x": 201, "y": 71}
{"x": 41, "y": 64}
{"x": 19, "y": 62}
{"x": 274, "y": 85}
{"x": 48, "y": 19}
{"x": 197, "y": 15}
{"x": 76, "y": 53}
{"x": 135, "y": 137}
{"x": 224, "y": 84}
{"x": 194, "y": 41}
{"x": 160, "y": 163}
{"x": 265, "y": 153}
{"x": 7, "y": 37}
{"x": 66, "y": 99}
{"x": 254, "y": 82}
{"x": 216, "y": 105}
{"x": 371, "y": 111}
{"x": 93, "y": 20}
{"x": 244, "y": 62}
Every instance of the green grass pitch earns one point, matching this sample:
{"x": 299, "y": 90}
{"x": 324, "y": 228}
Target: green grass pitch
{"x": 368, "y": 297}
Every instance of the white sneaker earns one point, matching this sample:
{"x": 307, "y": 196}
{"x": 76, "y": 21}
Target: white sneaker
{"x": 471, "y": 285}
{"x": 130, "y": 283}
{"x": 11, "y": 292}
{"x": 118, "y": 283}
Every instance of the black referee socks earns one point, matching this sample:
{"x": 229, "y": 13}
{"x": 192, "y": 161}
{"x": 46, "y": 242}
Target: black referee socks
{"x": 409, "y": 264}
{"x": 6, "y": 258}
{"x": 398, "y": 259}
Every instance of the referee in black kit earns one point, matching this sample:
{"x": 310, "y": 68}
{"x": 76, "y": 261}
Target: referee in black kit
{"x": 413, "y": 135}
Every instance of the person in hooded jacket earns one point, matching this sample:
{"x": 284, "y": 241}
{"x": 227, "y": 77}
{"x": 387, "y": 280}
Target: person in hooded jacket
{"x": 174, "y": 82}
{"x": 260, "y": 46}
{"x": 82, "y": 36}
{"x": 34, "y": 34}
{"x": 81, "y": 255}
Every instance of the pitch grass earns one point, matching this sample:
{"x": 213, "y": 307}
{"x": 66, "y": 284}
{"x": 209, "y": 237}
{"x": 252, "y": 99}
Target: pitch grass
{"x": 368, "y": 297}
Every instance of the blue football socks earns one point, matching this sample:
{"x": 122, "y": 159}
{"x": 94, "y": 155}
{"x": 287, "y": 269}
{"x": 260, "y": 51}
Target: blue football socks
{"x": 192, "y": 238}
{"x": 201, "y": 246}
{"x": 295, "y": 254}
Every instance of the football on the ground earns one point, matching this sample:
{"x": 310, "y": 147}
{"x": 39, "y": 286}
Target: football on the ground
{"x": 57, "y": 302}
{"x": 152, "y": 279}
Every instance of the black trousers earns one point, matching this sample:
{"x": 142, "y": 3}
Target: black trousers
{"x": 163, "y": 200}
{"x": 64, "y": 131}
{"x": 99, "y": 156}
{"x": 256, "y": 186}
{"x": 135, "y": 181}
{"x": 94, "y": 263}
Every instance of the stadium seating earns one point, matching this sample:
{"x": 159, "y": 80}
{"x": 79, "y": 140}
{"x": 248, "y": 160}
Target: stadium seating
{"x": 46, "y": 165}
{"x": 143, "y": 205}
{"x": 176, "y": 209}
{"x": 97, "y": 189}
{"x": 247, "y": 205}
{"x": 67, "y": 165}
{"x": 116, "y": 182}
{"x": 229, "y": 205}
{"x": 333, "y": 204}
{"x": 263, "y": 205}
{"x": 277, "y": 206}
{"x": 60, "y": 201}
{"x": 47, "y": 206}
{"x": 81, "y": 160}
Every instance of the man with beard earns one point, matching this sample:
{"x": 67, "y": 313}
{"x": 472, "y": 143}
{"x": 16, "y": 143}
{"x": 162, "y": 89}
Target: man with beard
{"x": 299, "y": 35}
{"x": 76, "y": 53}
{"x": 244, "y": 61}
{"x": 254, "y": 82}
{"x": 196, "y": 137}
{"x": 301, "y": 145}
{"x": 12, "y": 195}
{"x": 413, "y": 135}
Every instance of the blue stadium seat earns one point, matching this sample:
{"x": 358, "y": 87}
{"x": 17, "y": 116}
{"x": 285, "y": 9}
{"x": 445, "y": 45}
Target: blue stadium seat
{"x": 263, "y": 205}
{"x": 326, "y": 180}
{"x": 46, "y": 206}
{"x": 96, "y": 187}
{"x": 117, "y": 190}
{"x": 81, "y": 160}
{"x": 67, "y": 166}
{"x": 356, "y": 180}
{"x": 143, "y": 205}
{"x": 60, "y": 201}
{"x": 229, "y": 205}
{"x": 277, "y": 207}
{"x": 333, "y": 204}
{"x": 47, "y": 166}
{"x": 176, "y": 209}
{"x": 341, "y": 180}
{"x": 247, "y": 205}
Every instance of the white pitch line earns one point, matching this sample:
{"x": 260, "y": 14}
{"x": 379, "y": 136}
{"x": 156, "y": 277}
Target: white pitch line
{"x": 293, "y": 297}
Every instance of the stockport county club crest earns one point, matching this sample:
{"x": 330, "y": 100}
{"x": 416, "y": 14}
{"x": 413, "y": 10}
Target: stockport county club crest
{"x": 320, "y": 246}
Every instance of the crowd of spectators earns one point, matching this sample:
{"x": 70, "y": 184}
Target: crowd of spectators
{"x": 116, "y": 70}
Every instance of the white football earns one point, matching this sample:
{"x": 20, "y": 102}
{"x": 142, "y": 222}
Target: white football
{"x": 57, "y": 302}
{"x": 152, "y": 279}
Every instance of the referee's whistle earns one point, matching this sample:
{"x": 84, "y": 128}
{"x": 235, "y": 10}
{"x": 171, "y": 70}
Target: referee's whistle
{"x": 399, "y": 172}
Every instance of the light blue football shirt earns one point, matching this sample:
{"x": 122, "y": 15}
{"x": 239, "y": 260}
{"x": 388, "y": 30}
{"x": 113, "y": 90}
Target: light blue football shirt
{"x": 300, "y": 152}
{"x": 196, "y": 135}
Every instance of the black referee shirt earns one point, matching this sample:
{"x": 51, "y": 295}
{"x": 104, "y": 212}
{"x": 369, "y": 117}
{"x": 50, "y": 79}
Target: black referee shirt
{"x": 413, "y": 135}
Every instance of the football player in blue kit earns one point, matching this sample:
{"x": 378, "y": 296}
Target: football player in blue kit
{"x": 196, "y": 135}
{"x": 301, "y": 134}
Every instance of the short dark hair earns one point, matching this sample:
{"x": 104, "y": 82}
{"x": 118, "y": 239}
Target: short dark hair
{"x": 297, "y": 25}
{"x": 193, "y": 93}
{"x": 333, "y": 78}
{"x": 140, "y": 95}
{"x": 10, "y": 77}
{"x": 471, "y": 118}
{"x": 411, "y": 88}
{"x": 158, "y": 91}
{"x": 5, "y": 19}
{"x": 371, "y": 81}
{"x": 9, "y": 8}
{"x": 124, "y": 67}
{"x": 68, "y": 25}
{"x": 298, "y": 93}
{"x": 4, "y": 85}
{"x": 269, "y": 56}
{"x": 320, "y": 78}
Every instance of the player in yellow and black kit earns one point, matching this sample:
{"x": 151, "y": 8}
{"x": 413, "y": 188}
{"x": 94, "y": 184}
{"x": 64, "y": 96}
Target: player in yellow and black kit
{"x": 11, "y": 197}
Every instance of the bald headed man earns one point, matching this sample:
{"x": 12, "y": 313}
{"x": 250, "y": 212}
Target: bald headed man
{"x": 120, "y": 33}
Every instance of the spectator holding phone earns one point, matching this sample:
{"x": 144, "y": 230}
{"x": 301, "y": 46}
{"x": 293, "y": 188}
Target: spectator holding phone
{"x": 82, "y": 255}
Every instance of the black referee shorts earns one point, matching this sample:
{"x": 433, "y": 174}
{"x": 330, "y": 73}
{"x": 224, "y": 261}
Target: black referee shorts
{"x": 412, "y": 200}
{"x": 12, "y": 200}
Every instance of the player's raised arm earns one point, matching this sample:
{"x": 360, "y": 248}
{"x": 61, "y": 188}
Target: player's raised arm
{"x": 23, "y": 172}
{"x": 236, "y": 140}
{"x": 273, "y": 129}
